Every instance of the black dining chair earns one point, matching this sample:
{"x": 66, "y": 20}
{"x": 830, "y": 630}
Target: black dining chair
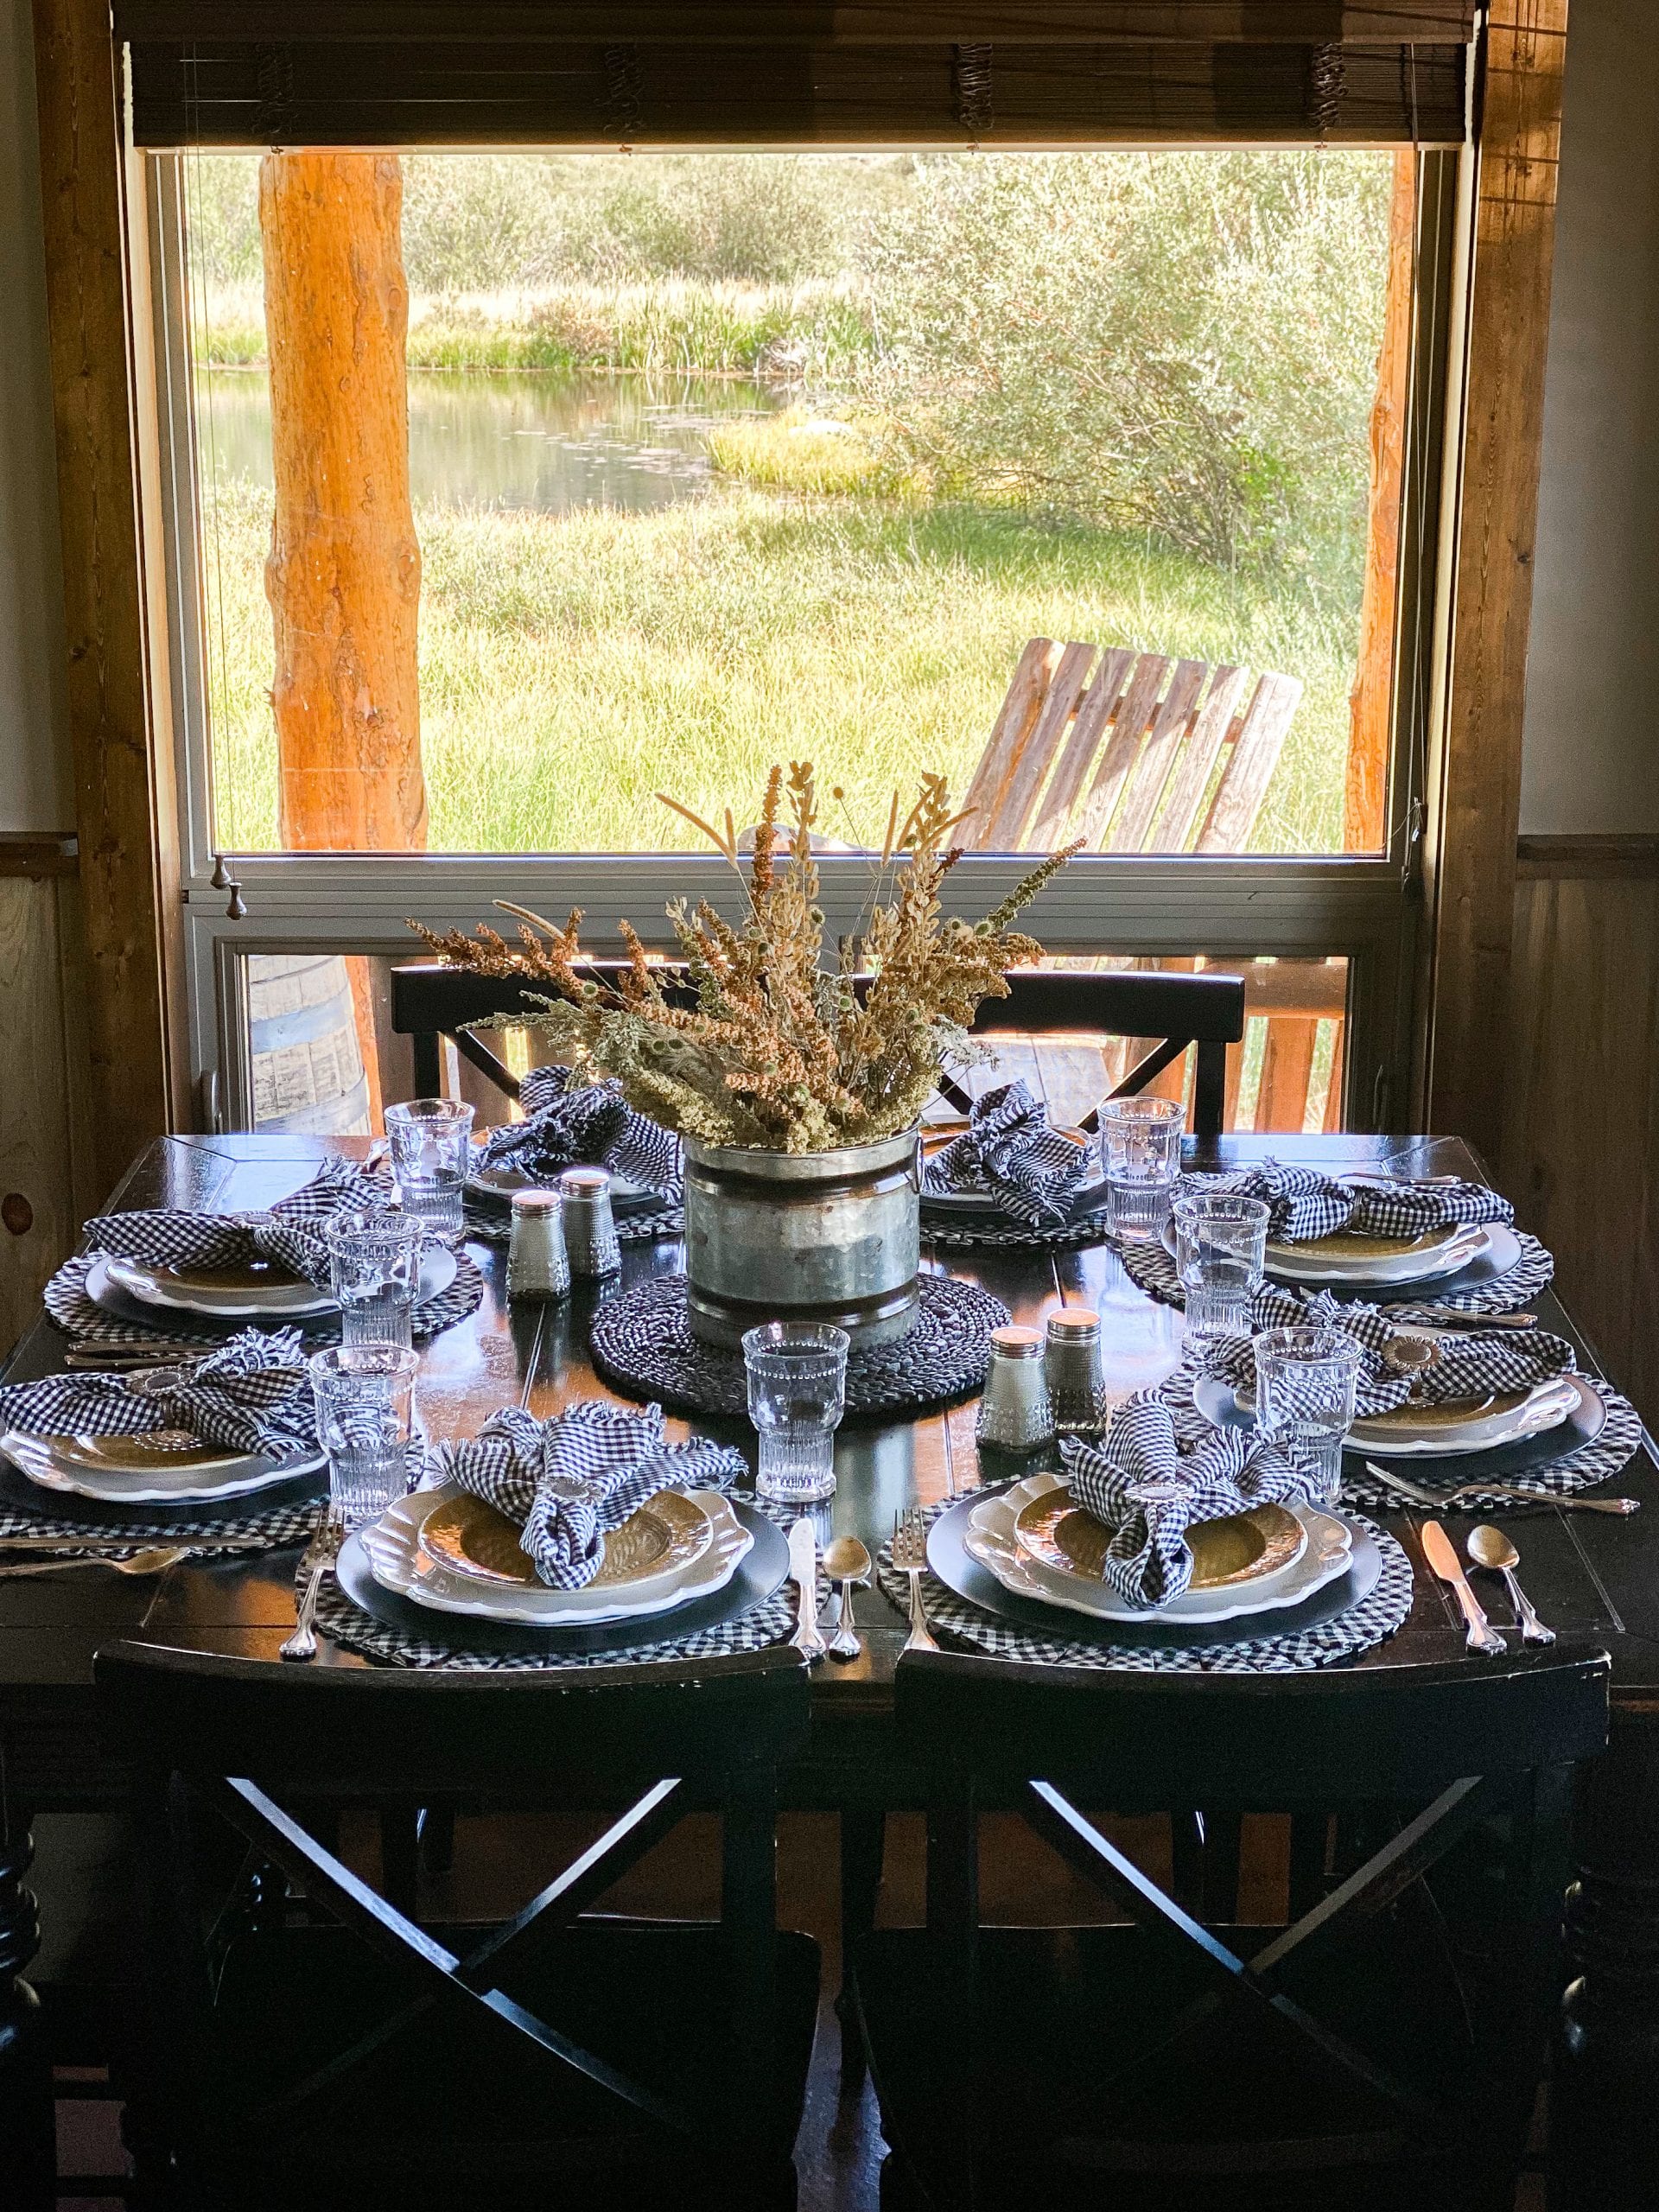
{"x": 1382, "y": 2050}
{"x": 328, "y": 2049}
{"x": 430, "y": 1001}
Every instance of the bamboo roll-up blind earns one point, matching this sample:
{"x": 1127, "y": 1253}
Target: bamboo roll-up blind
{"x": 369, "y": 72}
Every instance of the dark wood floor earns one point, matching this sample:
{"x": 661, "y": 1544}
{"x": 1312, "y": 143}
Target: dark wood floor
{"x": 840, "y": 2150}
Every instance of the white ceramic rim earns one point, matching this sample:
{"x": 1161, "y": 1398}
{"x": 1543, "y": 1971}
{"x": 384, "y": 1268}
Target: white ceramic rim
{"x": 35, "y": 1459}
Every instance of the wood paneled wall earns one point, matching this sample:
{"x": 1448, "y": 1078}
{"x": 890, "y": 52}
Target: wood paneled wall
{"x": 1579, "y": 1152}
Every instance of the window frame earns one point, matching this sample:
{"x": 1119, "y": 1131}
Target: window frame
{"x": 1365, "y": 908}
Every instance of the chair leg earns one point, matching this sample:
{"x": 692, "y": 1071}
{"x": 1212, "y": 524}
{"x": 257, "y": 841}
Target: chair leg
{"x": 863, "y": 1848}
{"x": 1223, "y": 1834}
{"x": 400, "y": 1858}
{"x": 437, "y": 1835}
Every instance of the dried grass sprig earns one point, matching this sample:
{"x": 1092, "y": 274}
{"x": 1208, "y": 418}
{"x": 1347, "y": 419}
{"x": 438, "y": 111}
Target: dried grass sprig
{"x": 764, "y": 1044}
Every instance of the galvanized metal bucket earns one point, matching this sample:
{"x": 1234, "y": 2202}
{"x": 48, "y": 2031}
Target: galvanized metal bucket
{"x": 825, "y": 1237}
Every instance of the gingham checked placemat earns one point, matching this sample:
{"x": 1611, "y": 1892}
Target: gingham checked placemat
{"x": 1620, "y": 1440}
{"x": 1151, "y": 1266}
{"x": 493, "y": 1222}
{"x": 1373, "y": 1619}
{"x": 768, "y": 1623}
{"x": 72, "y": 1309}
{"x": 239, "y": 1518}
{"x": 952, "y": 1233}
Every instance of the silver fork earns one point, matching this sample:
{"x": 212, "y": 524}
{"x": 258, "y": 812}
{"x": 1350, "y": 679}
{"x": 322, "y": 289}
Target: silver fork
{"x": 320, "y": 1554}
{"x": 1435, "y": 1499}
{"x": 910, "y": 1557}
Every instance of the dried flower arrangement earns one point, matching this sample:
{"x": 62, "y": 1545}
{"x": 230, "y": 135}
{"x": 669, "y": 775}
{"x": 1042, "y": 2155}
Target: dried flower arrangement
{"x": 780, "y": 1053}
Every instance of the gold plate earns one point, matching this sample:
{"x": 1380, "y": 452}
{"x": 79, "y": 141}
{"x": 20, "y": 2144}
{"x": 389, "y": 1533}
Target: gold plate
{"x": 1345, "y": 1245}
{"x": 248, "y": 1274}
{"x": 141, "y": 1455}
{"x": 470, "y": 1537}
{"x": 1242, "y": 1548}
{"x": 1451, "y": 1412}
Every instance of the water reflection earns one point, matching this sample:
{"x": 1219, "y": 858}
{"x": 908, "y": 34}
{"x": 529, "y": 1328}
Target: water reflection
{"x": 547, "y": 442}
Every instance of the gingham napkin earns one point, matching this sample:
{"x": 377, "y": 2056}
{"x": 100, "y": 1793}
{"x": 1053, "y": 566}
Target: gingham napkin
{"x": 1302, "y": 1203}
{"x": 291, "y": 1233}
{"x": 1468, "y": 1363}
{"x": 570, "y": 1480}
{"x": 1141, "y": 1484}
{"x": 1008, "y": 1150}
{"x": 251, "y": 1397}
{"x": 592, "y": 1126}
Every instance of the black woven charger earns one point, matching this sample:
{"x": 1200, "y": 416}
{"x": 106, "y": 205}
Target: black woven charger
{"x": 643, "y": 1343}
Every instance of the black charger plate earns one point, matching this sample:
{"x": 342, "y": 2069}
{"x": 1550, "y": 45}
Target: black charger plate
{"x": 1215, "y": 1400}
{"x": 948, "y": 1556}
{"x": 761, "y": 1574}
{"x": 19, "y": 1494}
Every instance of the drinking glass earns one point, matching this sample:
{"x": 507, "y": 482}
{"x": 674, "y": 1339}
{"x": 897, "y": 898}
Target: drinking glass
{"x": 1140, "y": 1158}
{"x": 1220, "y": 1249}
{"x": 429, "y": 1158}
{"x": 365, "y": 1409}
{"x": 374, "y": 1264}
{"x": 1305, "y": 1383}
{"x": 797, "y": 1386}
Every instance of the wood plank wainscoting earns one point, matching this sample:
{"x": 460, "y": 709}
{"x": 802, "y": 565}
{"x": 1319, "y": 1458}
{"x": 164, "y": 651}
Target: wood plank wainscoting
{"x": 48, "y": 1180}
{"x": 1580, "y": 1152}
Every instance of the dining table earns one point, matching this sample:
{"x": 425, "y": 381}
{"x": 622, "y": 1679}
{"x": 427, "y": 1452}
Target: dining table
{"x": 1592, "y": 1576}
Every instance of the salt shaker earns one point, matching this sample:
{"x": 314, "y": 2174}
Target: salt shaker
{"x": 1014, "y": 1414}
{"x": 589, "y": 1230}
{"x": 1076, "y": 1386}
{"x": 537, "y": 1264}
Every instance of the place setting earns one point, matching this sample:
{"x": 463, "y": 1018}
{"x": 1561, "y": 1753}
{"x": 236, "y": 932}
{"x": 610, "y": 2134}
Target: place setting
{"x": 163, "y": 1283}
{"x": 567, "y": 1126}
{"x": 1006, "y": 1176}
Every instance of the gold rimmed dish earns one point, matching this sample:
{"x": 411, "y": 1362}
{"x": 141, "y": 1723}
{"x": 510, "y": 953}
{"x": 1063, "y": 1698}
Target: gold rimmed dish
{"x": 1064, "y": 1538}
{"x": 468, "y": 1536}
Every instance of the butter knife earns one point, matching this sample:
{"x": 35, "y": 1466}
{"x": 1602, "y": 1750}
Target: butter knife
{"x": 803, "y": 1573}
{"x": 1441, "y": 1554}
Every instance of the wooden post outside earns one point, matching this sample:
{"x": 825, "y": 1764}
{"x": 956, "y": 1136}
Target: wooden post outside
{"x": 1470, "y": 854}
{"x": 1366, "y": 797}
{"x": 344, "y": 574}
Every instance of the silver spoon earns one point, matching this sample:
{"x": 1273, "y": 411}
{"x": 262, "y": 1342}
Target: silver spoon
{"x": 155, "y": 1559}
{"x": 846, "y": 1562}
{"x": 1490, "y": 1547}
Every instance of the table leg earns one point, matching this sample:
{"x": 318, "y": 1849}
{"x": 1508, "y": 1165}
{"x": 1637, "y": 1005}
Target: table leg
{"x": 1604, "y": 2133}
{"x": 28, "y": 2157}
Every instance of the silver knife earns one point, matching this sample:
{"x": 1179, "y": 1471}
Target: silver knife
{"x": 803, "y": 1573}
{"x": 1441, "y": 1554}
{"x": 115, "y": 1542}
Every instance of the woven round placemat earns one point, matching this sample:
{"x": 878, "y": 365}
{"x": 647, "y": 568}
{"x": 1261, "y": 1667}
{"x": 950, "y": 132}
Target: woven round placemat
{"x": 1367, "y": 1622}
{"x": 643, "y": 1343}
{"x": 1150, "y": 1266}
{"x": 1619, "y": 1442}
{"x": 67, "y": 1301}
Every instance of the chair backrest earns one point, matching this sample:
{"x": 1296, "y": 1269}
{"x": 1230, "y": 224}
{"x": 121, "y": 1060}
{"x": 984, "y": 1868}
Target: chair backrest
{"x": 429, "y": 999}
{"x": 1122, "y": 751}
{"x": 247, "y": 1741}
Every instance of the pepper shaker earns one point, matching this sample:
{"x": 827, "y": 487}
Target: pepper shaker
{"x": 1071, "y": 1368}
{"x": 590, "y": 1230}
{"x": 537, "y": 1264}
{"x": 1014, "y": 1414}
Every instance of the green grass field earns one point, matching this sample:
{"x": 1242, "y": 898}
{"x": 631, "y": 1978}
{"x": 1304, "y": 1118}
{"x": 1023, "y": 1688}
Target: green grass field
{"x": 573, "y": 664}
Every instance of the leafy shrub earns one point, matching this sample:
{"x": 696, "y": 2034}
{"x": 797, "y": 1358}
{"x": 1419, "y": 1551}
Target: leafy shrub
{"x": 1181, "y": 343}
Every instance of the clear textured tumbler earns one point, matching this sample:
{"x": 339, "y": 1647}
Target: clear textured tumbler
{"x": 1304, "y": 1385}
{"x": 374, "y": 1262}
{"x": 797, "y": 1387}
{"x": 429, "y": 1158}
{"x": 366, "y": 1414}
{"x": 1220, "y": 1246}
{"x": 1139, "y": 1158}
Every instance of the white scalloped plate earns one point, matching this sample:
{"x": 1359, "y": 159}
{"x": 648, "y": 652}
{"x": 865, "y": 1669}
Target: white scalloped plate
{"x": 284, "y": 1300}
{"x": 400, "y": 1562}
{"x": 990, "y": 1539}
{"x": 68, "y": 1464}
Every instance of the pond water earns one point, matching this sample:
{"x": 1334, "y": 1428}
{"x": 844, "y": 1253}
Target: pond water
{"x": 548, "y": 442}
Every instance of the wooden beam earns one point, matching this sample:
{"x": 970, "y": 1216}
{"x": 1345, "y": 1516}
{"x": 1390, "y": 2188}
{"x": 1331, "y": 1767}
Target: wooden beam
{"x": 130, "y": 904}
{"x": 1471, "y": 860}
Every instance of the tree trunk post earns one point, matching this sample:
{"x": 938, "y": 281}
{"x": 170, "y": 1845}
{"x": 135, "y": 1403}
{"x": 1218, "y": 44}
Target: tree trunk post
{"x": 1366, "y": 797}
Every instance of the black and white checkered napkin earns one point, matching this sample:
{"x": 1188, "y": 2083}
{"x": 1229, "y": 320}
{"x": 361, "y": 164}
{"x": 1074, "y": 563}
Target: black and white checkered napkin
{"x": 253, "y": 1395}
{"x": 1009, "y": 1151}
{"x": 570, "y": 1480}
{"x": 291, "y": 1233}
{"x": 1141, "y": 1483}
{"x": 590, "y": 1126}
{"x": 1467, "y": 1363}
{"x": 1302, "y": 1203}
